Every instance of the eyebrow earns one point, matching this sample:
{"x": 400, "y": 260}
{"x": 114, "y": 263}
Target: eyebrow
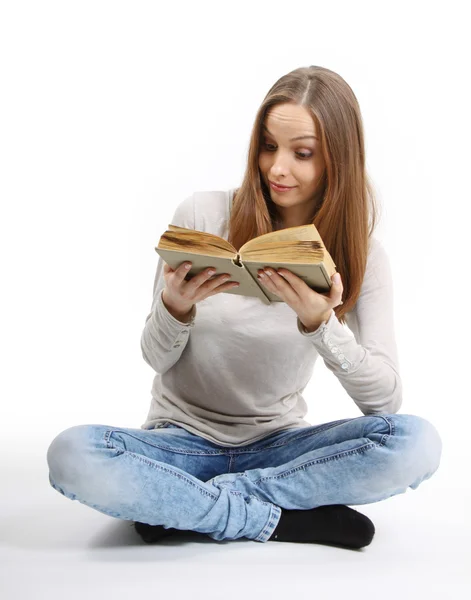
{"x": 301, "y": 137}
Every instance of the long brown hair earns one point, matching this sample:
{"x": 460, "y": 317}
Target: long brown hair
{"x": 347, "y": 211}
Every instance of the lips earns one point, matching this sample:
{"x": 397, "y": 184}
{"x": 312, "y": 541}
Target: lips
{"x": 284, "y": 187}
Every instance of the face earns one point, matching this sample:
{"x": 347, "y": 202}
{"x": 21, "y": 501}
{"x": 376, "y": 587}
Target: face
{"x": 298, "y": 164}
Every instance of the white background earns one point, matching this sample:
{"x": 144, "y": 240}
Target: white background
{"x": 112, "y": 112}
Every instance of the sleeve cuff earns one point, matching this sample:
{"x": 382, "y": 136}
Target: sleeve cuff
{"x": 325, "y": 326}
{"x": 170, "y": 325}
{"x": 336, "y": 344}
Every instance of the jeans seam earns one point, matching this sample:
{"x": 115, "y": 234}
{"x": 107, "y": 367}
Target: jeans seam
{"x": 316, "y": 461}
{"x": 321, "y": 429}
{"x": 235, "y": 451}
{"x": 173, "y": 473}
{"x": 109, "y": 432}
{"x": 392, "y": 431}
{"x": 148, "y": 462}
{"x": 301, "y": 436}
{"x": 269, "y": 527}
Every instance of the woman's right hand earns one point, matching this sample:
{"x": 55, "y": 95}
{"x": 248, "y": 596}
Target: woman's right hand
{"x": 180, "y": 295}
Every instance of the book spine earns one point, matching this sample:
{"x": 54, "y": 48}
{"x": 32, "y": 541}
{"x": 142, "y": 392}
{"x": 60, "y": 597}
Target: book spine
{"x": 254, "y": 287}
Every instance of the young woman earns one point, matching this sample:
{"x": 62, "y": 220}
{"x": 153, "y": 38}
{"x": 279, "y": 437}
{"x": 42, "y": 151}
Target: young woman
{"x": 225, "y": 449}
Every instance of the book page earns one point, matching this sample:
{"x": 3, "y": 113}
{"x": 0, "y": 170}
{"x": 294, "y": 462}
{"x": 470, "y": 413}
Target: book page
{"x": 293, "y": 234}
{"x": 292, "y": 251}
{"x": 196, "y": 242}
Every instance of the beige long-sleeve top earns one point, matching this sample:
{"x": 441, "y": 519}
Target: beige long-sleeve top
{"x": 237, "y": 371}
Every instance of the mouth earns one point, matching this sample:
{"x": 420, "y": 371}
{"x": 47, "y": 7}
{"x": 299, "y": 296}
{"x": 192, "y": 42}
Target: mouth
{"x": 280, "y": 188}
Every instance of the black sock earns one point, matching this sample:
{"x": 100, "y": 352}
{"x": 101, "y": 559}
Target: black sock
{"x": 334, "y": 524}
{"x": 153, "y": 533}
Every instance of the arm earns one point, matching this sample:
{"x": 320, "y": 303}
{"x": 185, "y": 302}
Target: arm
{"x": 165, "y": 336}
{"x": 182, "y": 317}
{"x": 316, "y": 326}
{"x": 366, "y": 366}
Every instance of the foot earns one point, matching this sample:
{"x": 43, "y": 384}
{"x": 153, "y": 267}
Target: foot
{"x": 333, "y": 524}
{"x": 153, "y": 533}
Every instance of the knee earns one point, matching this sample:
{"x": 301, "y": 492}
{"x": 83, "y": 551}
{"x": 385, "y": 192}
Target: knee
{"x": 422, "y": 445}
{"x": 430, "y": 444}
{"x": 65, "y": 454}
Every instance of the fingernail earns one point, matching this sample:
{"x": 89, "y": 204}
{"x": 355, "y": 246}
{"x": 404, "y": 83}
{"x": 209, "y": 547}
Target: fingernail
{"x": 336, "y": 278}
{"x": 187, "y": 266}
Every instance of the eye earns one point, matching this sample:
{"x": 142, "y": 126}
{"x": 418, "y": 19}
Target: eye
{"x": 302, "y": 155}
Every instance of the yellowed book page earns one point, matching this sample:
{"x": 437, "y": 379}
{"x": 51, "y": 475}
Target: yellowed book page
{"x": 301, "y": 233}
{"x": 201, "y": 242}
{"x": 289, "y": 251}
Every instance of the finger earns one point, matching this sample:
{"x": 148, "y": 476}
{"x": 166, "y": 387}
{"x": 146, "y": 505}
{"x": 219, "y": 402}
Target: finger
{"x": 296, "y": 285}
{"x": 181, "y": 272}
{"x": 336, "y": 290}
{"x": 206, "y": 278}
{"x": 223, "y": 288}
{"x": 265, "y": 280}
{"x": 280, "y": 286}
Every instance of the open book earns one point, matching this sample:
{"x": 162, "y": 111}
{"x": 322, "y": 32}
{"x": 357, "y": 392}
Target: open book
{"x": 297, "y": 249}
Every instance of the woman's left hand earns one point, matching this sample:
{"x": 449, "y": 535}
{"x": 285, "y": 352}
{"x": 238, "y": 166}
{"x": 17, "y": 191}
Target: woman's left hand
{"x": 311, "y": 307}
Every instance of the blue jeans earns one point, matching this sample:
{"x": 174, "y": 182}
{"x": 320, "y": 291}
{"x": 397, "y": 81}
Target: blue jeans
{"x": 171, "y": 477}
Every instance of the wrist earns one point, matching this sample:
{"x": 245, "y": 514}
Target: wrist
{"x": 183, "y": 317}
{"x": 313, "y": 326}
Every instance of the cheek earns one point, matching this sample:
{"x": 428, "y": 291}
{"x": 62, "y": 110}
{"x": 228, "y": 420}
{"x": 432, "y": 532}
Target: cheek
{"x": 311, "y": 172}
{"x": 263, "y": 162}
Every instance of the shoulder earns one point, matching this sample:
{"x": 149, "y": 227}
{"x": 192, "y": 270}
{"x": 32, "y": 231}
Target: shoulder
{"x": 377, "y": 252}
{"x": 202, "y": 207}
{"x": 213, "y": 200}
{"x": 203, "y": 200}
{"x": 184, "y": 213}
{"x": 212, "y": 210}
{"x": 378, "y": 265}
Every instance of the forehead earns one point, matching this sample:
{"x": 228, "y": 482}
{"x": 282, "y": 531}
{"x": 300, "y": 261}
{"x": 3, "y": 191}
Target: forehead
{"x": 289, "y": 117}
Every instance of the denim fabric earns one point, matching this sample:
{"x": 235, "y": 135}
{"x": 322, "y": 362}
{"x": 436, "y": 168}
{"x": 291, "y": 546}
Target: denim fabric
{"x": 171, "y": 477}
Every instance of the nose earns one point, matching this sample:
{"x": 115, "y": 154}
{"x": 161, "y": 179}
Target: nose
{"x": 279, "y": 167}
